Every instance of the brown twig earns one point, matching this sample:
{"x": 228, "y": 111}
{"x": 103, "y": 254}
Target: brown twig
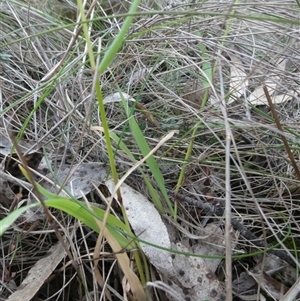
{"x": 237, "y": 226}
{"x": 39, "y": 196}
{"x": 284, "y": 140}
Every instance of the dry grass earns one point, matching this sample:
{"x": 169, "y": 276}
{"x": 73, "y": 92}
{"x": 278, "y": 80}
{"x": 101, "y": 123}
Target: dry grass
{"x": 161, "y": 65}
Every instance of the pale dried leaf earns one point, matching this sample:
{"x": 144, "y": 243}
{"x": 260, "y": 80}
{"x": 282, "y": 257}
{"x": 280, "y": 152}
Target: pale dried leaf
{"x": 6, "y": 194}
{"x": 274, "y": 264}
{"x": 81, "y": 179}
{"x": 238, "y": 79}
{"x": 193, "y": 93}
{"x": 138, "y": 75}
{"x": 193, "y": 274}
{"x": 33, "y": 215}
{"x": 213, "y": 244}
{"x": 258, "y": 97}
{"x": 117, "y": 97}
{"x": 6, "y": 145}
{"x": 147, "y": 225}
{"x": 281, "y": 98}
{"x": 293, "y": 292}
{"x": 142, "y": 73}
{"x": 270, "y": 285}
{"x": 243, "y": 283}
{"x": 38, "y": 274}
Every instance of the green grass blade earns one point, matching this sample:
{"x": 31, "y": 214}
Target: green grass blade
{"x": 145, "y": 150}
{"x": 6, "y": 222}
{"x": 118, "y": 41}
{"x": 80, "y": 211}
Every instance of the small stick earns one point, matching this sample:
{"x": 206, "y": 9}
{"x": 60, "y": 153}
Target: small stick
{"x": 279, "y": 126}
{"x": 237, "y": 226}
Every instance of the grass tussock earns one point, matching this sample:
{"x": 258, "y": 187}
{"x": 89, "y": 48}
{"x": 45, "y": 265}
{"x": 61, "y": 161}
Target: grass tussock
{"x": 177, "y": 63}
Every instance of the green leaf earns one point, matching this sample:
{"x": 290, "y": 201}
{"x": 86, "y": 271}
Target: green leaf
{"x": 80, "y": 211}
{"x": 145, "y": 150}
{"x": 6, "y": 222}
{"x": 118, "y": 41}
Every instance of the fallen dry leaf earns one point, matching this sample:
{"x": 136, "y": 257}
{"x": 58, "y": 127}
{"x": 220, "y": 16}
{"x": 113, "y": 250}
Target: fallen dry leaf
{"x": 147, "y": 224}
{"x": 195, "y": 278}
{"x": 198, "y": 281}
{"x": 141, "y": 74}
{"x": 147, "y": 114}
{"x": 213, "y": 244}
{"x": 238, "y": 79}
{"x": 6, "y": 194}
{"x": 11, "y": 159}
{"x": 38, "y": 274}
{"x": 79, "y": 179}
{"x": 117, "y": 97}
{"x": 258, "y": 97}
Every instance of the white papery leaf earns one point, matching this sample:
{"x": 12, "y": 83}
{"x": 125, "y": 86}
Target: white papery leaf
{"x": 6, "y": 145}
{"x": 117, "y": 97}
{"x": 238, "y": 79}
{"x": 196, "y": 280}
{"x": 258, "y": 97}
{"x": 142, "y": 73}
{"x": 6, "y": 194}
{"x": 194, "y": 275}
{"x": 213, "y": 244}
{"x": 138, "y": 75}
{"x": 81, "y": 179}
{"x": 281, "y": 98}
{"x": 147, "y": 224}
{"x": 243, "y": 283}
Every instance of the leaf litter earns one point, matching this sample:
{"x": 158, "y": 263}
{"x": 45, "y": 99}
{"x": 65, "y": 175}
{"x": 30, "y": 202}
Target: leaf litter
{"x": 261, "y": 60}
{"x": 194, "y": 275}
{"x": 147, "y": 225}
{"x": 10, "y": 165}
{"x": 77, "y": 180}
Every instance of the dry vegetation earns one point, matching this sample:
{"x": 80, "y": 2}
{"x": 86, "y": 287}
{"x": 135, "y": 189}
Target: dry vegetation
{"x": 178, "y": 65}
